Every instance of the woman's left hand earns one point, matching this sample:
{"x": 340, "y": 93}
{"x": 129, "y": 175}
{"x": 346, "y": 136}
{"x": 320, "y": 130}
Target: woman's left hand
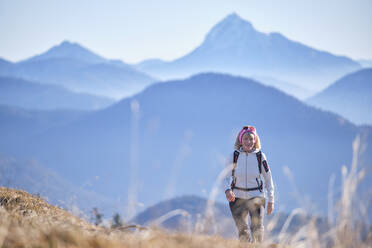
{"x": 270, "y": 208}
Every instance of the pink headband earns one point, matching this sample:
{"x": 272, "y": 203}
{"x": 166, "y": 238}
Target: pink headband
{"x": 251, "y": 130}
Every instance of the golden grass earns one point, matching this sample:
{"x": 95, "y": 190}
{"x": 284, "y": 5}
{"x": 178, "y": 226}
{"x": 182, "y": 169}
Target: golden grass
{"x": 29, "y": 221}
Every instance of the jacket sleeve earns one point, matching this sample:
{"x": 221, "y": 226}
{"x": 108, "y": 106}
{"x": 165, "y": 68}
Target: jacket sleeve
{"x": 228, "y": 170}
{"x": 269, "y": 185}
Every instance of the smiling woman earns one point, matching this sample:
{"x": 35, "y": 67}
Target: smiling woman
{"x": 244, "y": 187}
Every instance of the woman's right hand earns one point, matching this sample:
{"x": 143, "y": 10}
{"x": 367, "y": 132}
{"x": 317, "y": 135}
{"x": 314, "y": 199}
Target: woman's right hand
{"x": 230, "y": 196}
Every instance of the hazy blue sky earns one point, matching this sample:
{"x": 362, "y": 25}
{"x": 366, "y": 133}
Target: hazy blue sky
{"x": 167, "y": 29}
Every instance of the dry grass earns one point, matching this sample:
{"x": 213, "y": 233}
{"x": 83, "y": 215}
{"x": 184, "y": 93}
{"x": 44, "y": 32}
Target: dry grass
{"x": 29, "y": 221}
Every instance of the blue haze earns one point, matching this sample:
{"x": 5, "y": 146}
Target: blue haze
{"x": 203, "y": 113}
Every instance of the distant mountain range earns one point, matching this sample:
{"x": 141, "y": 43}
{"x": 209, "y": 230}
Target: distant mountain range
{"x": 187, "y": 213}
{"x": 350, "y": 96}
{"x": 68, "y": 50}
{"x": 172, "y": 139}
{"x": 365, "y": 62}
{"x": 291, "y": 89}
{"x": 184, "y": 213}
{"x": 18, "y": 125}
{"x": 78, "y": 69}
{"x": 234, "y": 46}
{"x": 36, "y": 179}
{"x": 31, "y": 95}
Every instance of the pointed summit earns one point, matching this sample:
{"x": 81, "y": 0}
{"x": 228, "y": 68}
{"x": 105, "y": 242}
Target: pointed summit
{"x": 234, "y": 18}
{"x": 69, "y": 50}
{"x": 68, "y": 45}
{"x": 230, "y": 30}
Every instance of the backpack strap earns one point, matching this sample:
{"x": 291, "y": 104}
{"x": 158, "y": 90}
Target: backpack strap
{"x": 235, "y": 160}
{"x": 259, "y": 161}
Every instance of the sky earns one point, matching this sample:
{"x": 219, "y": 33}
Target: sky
{"x": 168, "y": 29}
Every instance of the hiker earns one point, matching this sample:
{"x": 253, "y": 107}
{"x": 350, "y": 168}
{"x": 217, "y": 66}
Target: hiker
{"x": 244, "y": 187}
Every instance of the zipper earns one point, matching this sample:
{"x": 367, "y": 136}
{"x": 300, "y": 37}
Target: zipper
{"x": 246, "y": 171}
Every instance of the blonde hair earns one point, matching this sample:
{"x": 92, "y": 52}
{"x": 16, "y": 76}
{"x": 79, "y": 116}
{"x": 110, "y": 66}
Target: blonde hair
{"x": 238, "y": 145}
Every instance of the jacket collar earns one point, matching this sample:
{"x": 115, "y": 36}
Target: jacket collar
{"x": 254, "y": 151}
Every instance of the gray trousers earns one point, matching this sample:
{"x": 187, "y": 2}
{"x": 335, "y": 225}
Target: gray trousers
{"x": 255, "y": 207}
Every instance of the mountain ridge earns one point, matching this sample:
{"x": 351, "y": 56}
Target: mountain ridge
{"x": 349, "y": 96}
{"x": 197, "y": 119}
{"x": 37, "y": 179}
{"x": 234, "y": 46}
{"x": 79, "y": 69}
{"x": 37, "y": 96}
{"x": 67, "y": 49}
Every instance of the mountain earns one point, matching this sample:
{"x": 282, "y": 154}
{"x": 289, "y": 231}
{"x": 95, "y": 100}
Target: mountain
{"x": 74, "y": 51}
{"x": 173, "y": 138}
{"x": 78, "y": 69}
{"x": 289, "y": 88}
{"x": 286, "y": 87}
{"x": 188, "y": 214}
{"x": 68, "y": 50}
{"x": 234, "y": 46}
{"x": 350, "y": 96}
{"x": 38, "y": 180}
{"x": 31, "y": 95}
{"x": 185, "y": 213}
{"x": 5, "y": 66}
{"x": 149, "y": 63}
{"x": 18, "y": 125}
{"x": 365, "y": 62}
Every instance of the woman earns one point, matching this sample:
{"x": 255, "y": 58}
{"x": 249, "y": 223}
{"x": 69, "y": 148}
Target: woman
{"x": 244, "y": 186}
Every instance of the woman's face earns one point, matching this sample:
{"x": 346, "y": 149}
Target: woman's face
{"x": 248, "y": 141}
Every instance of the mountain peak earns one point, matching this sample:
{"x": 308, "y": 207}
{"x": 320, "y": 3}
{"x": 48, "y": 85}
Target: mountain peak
{"x": 235, "y": 18}
{"x": 68, "y": 44}
{"x": 69, "y": 50}
{"x": 5, "y": 62}
{"x": 231, "y": 29}
{"x": 66, "y": 47}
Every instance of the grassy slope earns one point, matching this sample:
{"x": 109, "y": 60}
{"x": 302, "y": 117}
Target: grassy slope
{"x": 29, "y": 221}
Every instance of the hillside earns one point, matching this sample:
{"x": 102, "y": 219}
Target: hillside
{"x": 31, "y": 95}
{"x": 366, "y": 63}
{"x": 29, "y": 221}
{"x": 18, "y": 125}
{"x": 190, "y": 125}
{"x": 350, "y": 96}
{"x": 190, "y": 213}
{"x": 38, "y": 179}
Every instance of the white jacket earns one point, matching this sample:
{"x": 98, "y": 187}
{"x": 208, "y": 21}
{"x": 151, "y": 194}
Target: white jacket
{"x": 246, "y": 172}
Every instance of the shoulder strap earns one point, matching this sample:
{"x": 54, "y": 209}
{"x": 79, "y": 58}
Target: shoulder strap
{"x": 235, "y": 160}
{"x": 236, "y": 156}
{"x": 259, "y": 161}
